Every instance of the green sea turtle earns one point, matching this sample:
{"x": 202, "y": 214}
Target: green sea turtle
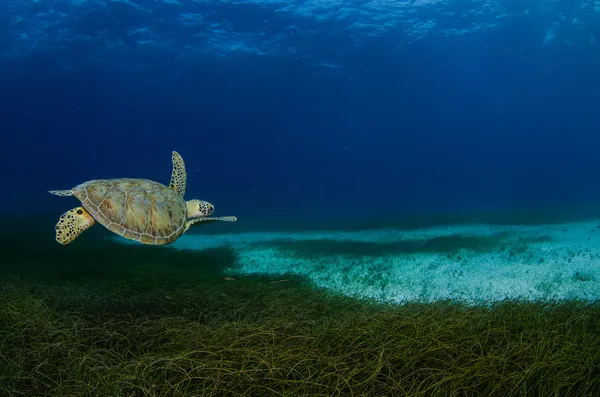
{"x": 137, "y": 209}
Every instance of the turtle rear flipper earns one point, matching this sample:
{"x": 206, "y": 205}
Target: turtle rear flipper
{"x": 72, "y": 223}
{"x": 62, "y": 193}
{"x": 178, "y": 175}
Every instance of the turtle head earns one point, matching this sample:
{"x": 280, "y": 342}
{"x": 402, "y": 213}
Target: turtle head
{"x": 199, "y": 208}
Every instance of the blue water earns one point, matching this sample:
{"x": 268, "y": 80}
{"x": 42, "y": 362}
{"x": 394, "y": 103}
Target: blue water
{"x": 305, "y": 109}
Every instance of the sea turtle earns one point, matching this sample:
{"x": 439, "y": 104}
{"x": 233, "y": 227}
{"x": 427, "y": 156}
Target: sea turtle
{"x": 137, "y": 209}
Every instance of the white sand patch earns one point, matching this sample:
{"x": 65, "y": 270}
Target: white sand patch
{"x": 487, "y": 263}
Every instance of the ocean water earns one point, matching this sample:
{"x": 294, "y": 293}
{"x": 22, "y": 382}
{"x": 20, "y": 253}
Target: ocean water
{"x": 308, "y": 114}
{"x": 397, "y": 152}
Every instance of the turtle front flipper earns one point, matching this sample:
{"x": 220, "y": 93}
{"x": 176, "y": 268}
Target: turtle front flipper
{"x": 209, "y": 219}
{"x": 179, "y": 175}
{"x": 62, "y": 193}
{"x": 72, "y": 223}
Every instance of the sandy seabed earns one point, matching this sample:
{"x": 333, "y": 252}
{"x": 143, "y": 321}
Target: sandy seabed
{"x": 473, "y": 264}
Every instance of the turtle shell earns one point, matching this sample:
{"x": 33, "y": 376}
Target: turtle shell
{"x": 137, "y": 209}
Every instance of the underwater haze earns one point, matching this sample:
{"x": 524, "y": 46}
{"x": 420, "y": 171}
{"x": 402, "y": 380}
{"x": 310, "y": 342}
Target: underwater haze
{"x": 306, "y": 110}
{"x": 397, "y": 151}
{"x": 416, "y": 185}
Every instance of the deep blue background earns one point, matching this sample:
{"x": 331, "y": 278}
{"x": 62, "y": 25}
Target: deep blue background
{"x": 485, "y": 121}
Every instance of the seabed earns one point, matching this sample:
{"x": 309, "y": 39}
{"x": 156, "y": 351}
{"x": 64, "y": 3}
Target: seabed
{"x": 473, "y": 264}
{"x": 472, "y": 309}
